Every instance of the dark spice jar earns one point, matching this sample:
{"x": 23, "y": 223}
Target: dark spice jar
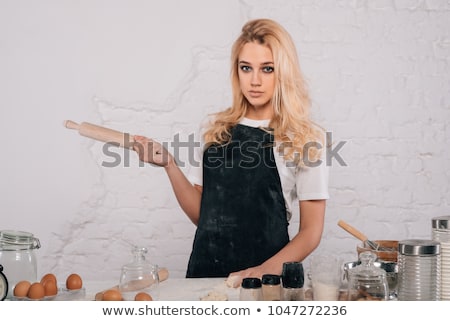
{"x": 292, "y": 280}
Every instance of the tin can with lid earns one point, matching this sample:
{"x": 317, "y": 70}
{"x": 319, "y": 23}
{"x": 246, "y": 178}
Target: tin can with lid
{"x": 441, "y": 233}
{"x": 18, "y": 257}
{"x": 418, "y": 270}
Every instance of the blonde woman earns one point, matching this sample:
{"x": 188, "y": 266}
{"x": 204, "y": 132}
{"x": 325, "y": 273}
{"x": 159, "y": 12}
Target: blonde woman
{"x": 260, "y": 157}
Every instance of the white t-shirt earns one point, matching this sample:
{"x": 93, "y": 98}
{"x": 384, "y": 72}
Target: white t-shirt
{"x": 304, "y": 183}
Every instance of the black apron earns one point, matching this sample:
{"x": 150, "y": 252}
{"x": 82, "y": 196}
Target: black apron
{"x": 243, "y": 218}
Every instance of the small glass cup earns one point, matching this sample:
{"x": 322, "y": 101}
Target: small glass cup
{"x": 325, "y": 275}
{"x": 139, "y": 276}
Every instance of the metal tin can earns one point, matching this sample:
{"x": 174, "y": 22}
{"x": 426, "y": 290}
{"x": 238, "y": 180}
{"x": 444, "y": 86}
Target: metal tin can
{"x": 441, "y": 233}
{"x": 418, "y": 270}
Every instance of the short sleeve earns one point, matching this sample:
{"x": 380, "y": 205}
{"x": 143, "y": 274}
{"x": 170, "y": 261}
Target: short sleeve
{"x": 195, "y": 173}
{"x": 312, "y": 181}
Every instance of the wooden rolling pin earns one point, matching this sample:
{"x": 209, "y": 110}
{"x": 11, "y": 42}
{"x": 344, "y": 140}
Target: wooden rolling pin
{"x": 163, "y": 274}
{"x": 102, "y": 134}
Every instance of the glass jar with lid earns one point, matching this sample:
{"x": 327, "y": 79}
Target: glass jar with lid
{"x": 18, "y": 257}
{"x": 366, "y": 282}
{"x": 271, "y": 287}
{"x": 139, "y": 276}
{"x": 292, "y": 278}
{"x": 251, "y": 290}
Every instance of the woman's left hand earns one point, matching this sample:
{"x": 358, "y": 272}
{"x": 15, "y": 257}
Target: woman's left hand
{"x": 152, "y": 152}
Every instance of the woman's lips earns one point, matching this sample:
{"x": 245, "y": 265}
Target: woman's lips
{"x": 255, "y": 94}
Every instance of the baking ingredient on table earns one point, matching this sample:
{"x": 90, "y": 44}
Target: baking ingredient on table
{"x": 325, "y": 291}
{"x": 50, "y": 284}
{"x": 36, "y": 291}
{"x": 215, "y": 296}
{"x": 163, "y": 274}
{"x": 21, "y": 289}
{"x": 50, "y": 288}
{"x": 233, "y": 281}
{"x": 142, "y": 296}
{"x": 74, "y": 282}
{"x": 48, "y": 277}
{"x": 112, "y": 295}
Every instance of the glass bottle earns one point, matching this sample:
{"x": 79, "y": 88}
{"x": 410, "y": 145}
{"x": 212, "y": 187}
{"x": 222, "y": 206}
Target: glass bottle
{"x": 139, "y": 276}
{"x": 250, "y": 290}
{"x": 271, "y": 287}
{"x": 441, "y": 233}
{"x": 366, "y": 282}
{"x": 292, "y": 279}
{"x": 18, "y": 257}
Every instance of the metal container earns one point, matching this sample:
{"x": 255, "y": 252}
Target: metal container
{"x": 441, "y": 233}
{"x": 418, "y": 270}
{"x": 18, "y": 257}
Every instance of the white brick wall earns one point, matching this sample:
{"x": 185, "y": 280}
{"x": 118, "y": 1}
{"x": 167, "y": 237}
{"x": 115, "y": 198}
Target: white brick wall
{"x": 379, "y": 76}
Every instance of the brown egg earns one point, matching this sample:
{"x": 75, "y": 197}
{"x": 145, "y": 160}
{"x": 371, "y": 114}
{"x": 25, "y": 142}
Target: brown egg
{"x": 50, "y": 288}
{"x": 112, "y": 295}
{"x": 74, "y": 282}
{"x": 21, "y": 289}
{"x": 142, "y": 296}
{"x": 48, "y": 277}
{"x": 36, "y": 291}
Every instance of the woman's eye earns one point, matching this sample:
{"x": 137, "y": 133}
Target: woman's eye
{"x": 268, "y": 69}
{"x": 245, "y": 68}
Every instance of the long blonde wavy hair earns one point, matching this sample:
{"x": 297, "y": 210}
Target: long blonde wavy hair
{"x": 291, "y": 123}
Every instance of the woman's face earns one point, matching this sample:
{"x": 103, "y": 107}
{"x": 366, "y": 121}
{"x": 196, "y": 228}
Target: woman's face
{"x": 257, "y": 79}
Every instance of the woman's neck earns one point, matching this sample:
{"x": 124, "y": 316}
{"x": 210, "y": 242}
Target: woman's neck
{"x": 259, "y": 113}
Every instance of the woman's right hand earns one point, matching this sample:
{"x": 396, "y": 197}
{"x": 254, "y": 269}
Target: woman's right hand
{"x": 152, "y": 152}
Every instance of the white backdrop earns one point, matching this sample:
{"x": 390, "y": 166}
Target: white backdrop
{"x": 379, "y": 76}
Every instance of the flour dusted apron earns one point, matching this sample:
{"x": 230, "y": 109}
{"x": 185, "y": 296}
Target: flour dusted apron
{"x": 243, "y": 214}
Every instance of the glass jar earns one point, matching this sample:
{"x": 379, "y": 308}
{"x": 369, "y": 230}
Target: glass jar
{"x": 418, "y": 270}
{"x": 292, "y": 279}
{"x": 271, "y": 287}
{"x": 366, "y": 282}
{"x": 250, "y": 290}
{"x": 139, "y": 276}
{"x": 441, "y": 233}
{"x": 18, "y": 257}
{"x": 3, "y": 285}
